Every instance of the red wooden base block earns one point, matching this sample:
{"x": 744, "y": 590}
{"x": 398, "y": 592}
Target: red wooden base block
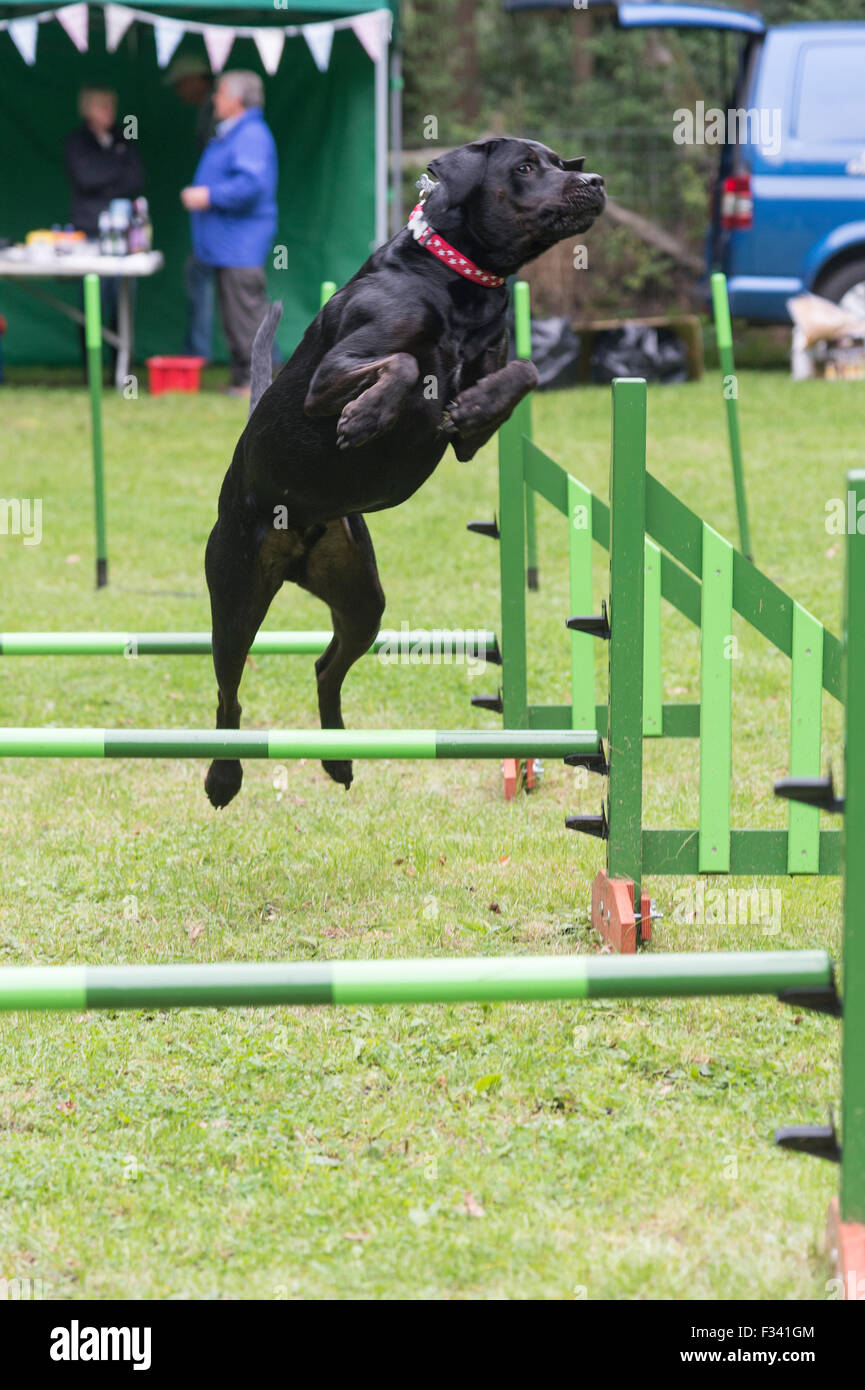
{"x": 613, "y": 913}
{"x": 645, "y": 918}
{"x": 845, "y": 1245}
{"x": 517, "y": 773}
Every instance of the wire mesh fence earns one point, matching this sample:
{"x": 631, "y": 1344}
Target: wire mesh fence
{"x": 644, "y": 169}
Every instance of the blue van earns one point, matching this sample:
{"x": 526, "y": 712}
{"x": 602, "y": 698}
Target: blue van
{"x": 788, "y": 211}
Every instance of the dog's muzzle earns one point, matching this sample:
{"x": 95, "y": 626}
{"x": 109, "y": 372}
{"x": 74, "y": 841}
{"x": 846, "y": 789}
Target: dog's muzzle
{"x": 587, "y": 191}
{"x": 583, "y": 200}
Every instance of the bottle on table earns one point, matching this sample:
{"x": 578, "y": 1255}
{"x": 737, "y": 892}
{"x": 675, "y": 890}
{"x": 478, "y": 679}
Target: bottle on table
{"x": 106, "y": 234}
{"x": 119, "y": 229}
{"x": 143, "y": 227}
{"x": 135, "y": 234}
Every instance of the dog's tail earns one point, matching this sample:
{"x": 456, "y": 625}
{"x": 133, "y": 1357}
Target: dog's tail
{"x": 261, "y": 366}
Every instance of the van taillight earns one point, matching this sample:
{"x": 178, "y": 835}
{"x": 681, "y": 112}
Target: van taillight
{"x": 737, "y": 205}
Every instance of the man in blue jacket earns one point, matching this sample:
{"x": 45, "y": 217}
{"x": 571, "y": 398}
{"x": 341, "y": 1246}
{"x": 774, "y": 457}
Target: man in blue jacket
{"x": 232, "y": 202}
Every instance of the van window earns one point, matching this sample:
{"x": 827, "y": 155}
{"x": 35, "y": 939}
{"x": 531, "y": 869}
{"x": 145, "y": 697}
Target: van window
{"x": 831, "y": 95}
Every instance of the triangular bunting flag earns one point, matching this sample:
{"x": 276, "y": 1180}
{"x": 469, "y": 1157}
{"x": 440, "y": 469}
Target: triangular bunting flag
{"x": 74, "y": 21}
{"x": 270, "y": 43}
{"x": 319, "y": 37}
{"x": 167, "y": 33}
{"x": 218, "y": 40}
{"x": 373, "y": 31}
{"x": 23, "y": 33}
{"x": 117, "y": 20}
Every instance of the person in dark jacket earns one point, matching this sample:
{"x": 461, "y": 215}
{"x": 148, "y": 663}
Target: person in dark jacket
{"x": 101, "y": 164}
{"x": 232, "y": 202}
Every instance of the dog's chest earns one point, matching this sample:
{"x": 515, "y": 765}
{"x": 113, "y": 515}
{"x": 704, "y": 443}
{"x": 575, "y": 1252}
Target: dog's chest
{"x": 466, "y": 349}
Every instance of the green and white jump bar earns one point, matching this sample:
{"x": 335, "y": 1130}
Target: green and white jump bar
{"x": 405, "y": 642}
{"x": 295, "y": 743}
{"x": 443, "y": 981}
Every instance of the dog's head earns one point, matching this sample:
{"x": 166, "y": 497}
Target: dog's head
{"x": 514, "y": 197}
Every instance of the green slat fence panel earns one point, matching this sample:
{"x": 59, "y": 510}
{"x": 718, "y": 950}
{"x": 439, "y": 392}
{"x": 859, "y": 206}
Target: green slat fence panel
{"x": 679, "y": 721}
{"x": 653, "y": 710}
{"x": 716, "y": 685}
{"x": 806, "y": 701}
{"x": 678, "y": 531}
{"x": 755, "y": 597}
{"x": 547, "y": 478}
{"x": 582, "y": 645}
{"x": 752, "y": 852}
{"x": 674, "y": 526}
{"x": 680, "y": 589}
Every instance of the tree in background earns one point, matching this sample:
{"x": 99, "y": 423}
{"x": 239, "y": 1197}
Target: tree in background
{"x": 575, "y": 82}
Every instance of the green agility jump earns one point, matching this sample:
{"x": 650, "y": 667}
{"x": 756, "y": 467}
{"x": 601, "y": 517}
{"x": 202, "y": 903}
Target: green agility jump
{"x": 446, "y": 643}
{"x": 659, "y": 550}
{"x": 291, "y": 743}
{"x": 788, "y": 974}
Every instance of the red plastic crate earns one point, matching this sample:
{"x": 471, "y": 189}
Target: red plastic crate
{"x": 174, "y": 374}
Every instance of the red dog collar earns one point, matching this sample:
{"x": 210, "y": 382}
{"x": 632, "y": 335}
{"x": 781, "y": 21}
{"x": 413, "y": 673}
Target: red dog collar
{"x": 431, "y": 241}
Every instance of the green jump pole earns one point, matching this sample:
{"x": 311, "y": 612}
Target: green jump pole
{"x": 729, "y": 384}
{"x": 294, "y": 743}
{"x": 434, "y": 644}
{"x": 852, "y": 1197}
{"x": 93, "y": 343}
{"x": 523, "y": 413}
{"x": 516, "y": 521}
{"x": 429, "y": 981}
{"x": 627, "y": 607}
{"x": 328, "y": 288}
{"x": 512, "y": 551}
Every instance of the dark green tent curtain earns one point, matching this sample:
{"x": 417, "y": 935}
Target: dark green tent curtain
{"x": 324, "y": 128}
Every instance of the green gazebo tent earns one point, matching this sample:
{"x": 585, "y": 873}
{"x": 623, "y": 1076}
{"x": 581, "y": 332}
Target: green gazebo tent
{"x": 331, "y": 129}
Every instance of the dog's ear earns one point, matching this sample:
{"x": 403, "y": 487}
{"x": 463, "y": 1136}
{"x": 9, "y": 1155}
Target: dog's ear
{"x": 459, "y": 173}
{"x": 575, "y": 165}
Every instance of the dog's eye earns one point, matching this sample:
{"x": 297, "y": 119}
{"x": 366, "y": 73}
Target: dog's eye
{"x": 524, "y": 169}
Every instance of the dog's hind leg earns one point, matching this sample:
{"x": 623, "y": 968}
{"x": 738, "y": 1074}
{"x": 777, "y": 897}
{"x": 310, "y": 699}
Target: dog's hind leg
{"x": 242, "y": 584}
{"x": 341, "y": 569}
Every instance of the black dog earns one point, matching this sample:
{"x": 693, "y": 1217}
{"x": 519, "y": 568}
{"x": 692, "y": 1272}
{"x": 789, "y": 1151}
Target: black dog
{"x": 409, "y": 356}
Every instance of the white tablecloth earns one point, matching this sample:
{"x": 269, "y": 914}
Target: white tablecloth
{"x": 18, "y": 264}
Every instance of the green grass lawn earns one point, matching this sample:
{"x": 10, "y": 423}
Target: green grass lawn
{"x": 614, "y": 1150}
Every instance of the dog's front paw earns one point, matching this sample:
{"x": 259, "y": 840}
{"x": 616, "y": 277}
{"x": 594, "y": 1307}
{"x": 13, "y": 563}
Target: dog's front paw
{"x": 468, "y": 414}
{"x": 488, "y": 403}
{"x": 447, "y": 424}
{"x": 357, "y": 425}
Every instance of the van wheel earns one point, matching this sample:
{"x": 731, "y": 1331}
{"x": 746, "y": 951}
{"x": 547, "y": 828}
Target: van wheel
{"x": 846, "y": 287}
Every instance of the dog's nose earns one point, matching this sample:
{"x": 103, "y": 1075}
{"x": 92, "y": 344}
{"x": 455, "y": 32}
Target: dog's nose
{"x": 594, "y": 180}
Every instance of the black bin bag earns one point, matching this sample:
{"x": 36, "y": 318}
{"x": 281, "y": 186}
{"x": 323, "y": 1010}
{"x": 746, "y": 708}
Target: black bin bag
{"x": 635, "y": 349}
{"x": 555, "y": 351}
